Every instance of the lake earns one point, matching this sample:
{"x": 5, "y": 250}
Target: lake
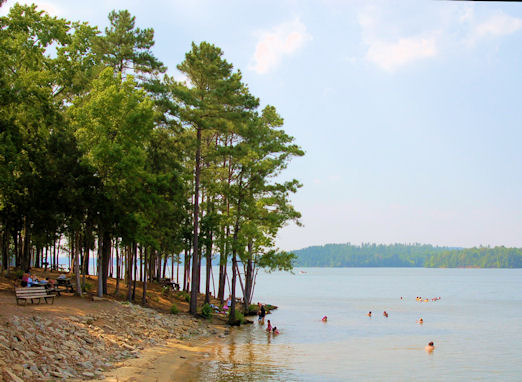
{"x": 476, "y": 327}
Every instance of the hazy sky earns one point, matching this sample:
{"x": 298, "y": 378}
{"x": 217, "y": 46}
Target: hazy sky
{"x": 410, "y": 112}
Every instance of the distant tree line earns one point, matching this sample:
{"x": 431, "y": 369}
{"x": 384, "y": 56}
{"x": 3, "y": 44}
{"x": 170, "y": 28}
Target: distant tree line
{"x": 104, "y": 155}
{"x": 407, "y": 255}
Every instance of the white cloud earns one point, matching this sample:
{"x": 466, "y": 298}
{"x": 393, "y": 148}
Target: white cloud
{"x": 393, "y": 55}
{"x": 48, "y": 6}
{"x": 282, "y": 40}
{"x": 497, "y": 25}
{"x": 390, "y": 48}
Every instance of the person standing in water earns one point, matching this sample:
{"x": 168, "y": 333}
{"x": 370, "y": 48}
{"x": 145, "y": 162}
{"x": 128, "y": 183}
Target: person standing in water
{"x": 261, "y": 313}
{"x": 430, "y": 347}
{"x": 269, "y": 327}
{"x": 370, "y": 313}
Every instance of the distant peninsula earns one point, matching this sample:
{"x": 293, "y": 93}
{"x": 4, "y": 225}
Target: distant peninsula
{"x": 407, "y": 255}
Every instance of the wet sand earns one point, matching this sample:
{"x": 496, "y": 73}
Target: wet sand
{"x": 175, "y": 361}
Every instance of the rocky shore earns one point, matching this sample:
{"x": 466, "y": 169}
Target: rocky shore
{"x": 84, "y": 347}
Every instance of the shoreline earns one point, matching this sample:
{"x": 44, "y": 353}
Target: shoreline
{"x": 176, "y": 360}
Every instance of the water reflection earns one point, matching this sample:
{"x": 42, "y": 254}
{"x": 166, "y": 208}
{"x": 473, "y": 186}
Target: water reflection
{"x": 245, "y": 354}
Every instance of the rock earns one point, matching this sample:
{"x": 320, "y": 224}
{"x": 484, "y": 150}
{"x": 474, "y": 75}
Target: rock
{"x": 57, "y": 374}
{"x": 88, "y": 374}
{"x": 12, "y": 375}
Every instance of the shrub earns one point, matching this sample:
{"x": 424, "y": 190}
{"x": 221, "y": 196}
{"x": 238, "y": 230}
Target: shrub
{"x": 239, "y": 317}
{"x": 87, "y": 287}
{"x": 174, "y": 309}
{"x": 165, "y": 291}
{"x": 206, "y": 311}
{"x": 182, "y": 295}
{"x": 19, "y": 273}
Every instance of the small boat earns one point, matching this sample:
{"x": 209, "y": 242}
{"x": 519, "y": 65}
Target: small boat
{"x": 302, "y": 272}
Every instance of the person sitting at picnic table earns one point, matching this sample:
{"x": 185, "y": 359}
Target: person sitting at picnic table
{"x": 24, "y": 279}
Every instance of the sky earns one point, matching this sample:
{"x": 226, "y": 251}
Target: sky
{"x": 409, "y": 111}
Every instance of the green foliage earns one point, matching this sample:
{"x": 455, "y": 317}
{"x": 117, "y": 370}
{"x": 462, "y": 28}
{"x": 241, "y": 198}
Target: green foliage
{"x": 87, "y": 287}
{"x": 174, "y": 309}
{"x": 402, "y": 255}
{"x": 165, "y": 291}
{"x": 206, "y": 311}
{"x": 182, "y": 295}
{"x": 96, "y": 145}
{"x": 239, "y": 317}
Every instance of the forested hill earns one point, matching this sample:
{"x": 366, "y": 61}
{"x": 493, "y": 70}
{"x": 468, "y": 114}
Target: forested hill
{"x": 407, "y": 255}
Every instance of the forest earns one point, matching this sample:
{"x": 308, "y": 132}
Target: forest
{"x": 105, "y": 156}
{"x": 407, "y": 255}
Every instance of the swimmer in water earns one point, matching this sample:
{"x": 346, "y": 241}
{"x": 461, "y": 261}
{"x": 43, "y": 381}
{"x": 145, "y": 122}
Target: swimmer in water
{"x": 430, "y": 347}
{"x": 420, "y": 321}
{"x": 324, "y": 319}
{"x": 275, "y": 331}
{"x": 385, "y": 314}
{"x": 370, "y": 313}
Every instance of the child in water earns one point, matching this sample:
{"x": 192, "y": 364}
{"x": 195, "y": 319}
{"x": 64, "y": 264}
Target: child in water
{"x": 324, "y": 319}
{"x": 275, "y": 331}
{"x": 269, "y": 327}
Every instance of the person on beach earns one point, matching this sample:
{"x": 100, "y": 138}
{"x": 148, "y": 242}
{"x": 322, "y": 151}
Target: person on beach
{"x": 324, "y": 319}
{"x": 24, "y": 280}
{"x": 269, "y": 327}
{"x": 261, "y": 313}
{"x": 430, "y": 347}
{"x": 228, "y": 303}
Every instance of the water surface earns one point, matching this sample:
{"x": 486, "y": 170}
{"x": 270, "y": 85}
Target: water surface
{"x": 476, "y": 327}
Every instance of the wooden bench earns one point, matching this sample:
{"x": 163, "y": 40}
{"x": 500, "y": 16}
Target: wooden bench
{"x": 33, "y": 293}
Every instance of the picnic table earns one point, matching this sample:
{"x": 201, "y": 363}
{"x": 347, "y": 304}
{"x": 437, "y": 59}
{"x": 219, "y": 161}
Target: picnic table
{"x": 169, "y": 283}
{"x": 65, "y": 282}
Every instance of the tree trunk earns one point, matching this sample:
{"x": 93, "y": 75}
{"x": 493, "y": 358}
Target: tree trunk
{"x": 232, "y": 313}
{"x": 144, "y": 295}
{"x": 117, "y": 267}
{"x": 249, "y": 278}
{"x": 195, "y": 253}
{"x": 186, "y": 270}
{"x": 26, "y": 246}
{"x": 106, "y": 251}
{"x": 5, "y": 246}
{"x": 129, "y": 273}
{"x": 135, "y": 272}
{"x": 77, "y": 263}
{"x": 165, "y": 267}
{"x": 208, "y": 260}
{"x": 100, "y": 265}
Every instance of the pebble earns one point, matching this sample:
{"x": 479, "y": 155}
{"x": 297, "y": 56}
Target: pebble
{"x": 39, "y": 349}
